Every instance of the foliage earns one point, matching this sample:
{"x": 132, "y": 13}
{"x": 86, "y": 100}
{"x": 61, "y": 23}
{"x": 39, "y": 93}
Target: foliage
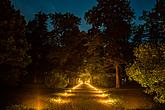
{"x": 148, "y": 69}
{"x": 36, "y": 33}
{"x": 112, "y": 18}
{"x": 63, "y": 24}
{"x": 154, "y": 22}
{"x": 13, "y": 44}
{"x": 66, "y": 42}
{"x": 56, "y": 80}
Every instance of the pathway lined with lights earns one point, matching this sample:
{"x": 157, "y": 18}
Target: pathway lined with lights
{"x": 84, "y": 96}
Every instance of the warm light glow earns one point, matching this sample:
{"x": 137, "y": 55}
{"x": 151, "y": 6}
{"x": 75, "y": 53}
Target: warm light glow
{"x": 100, "y": 91}
{"x": 91, "y": 86}
{"x": 109, "y": 101}
{"x": 58, "y": 100}
{"x": 103, "y": 95}
{"x": 80, "y": 81}
{"x": 55, "y": 100}
{"x": 77, "y": 86}
{"x": 65, "y": 94}
{"x": 38, "y": 104}
{"x": 38, "y": 107}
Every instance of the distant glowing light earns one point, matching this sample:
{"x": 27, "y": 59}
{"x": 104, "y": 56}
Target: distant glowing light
{"x": 103, "y": 95}
{"x": 38, "y": 104}
{"x": 91, "y": 86}
{"x": 38, "y": 107}
{"x": 109, "y": 101}
{"x": 100, "y": 91}
{"x": 58, "y": 100}
{"x": 65, "y": 94}
{"x": 55, "y": 100}
{"x": 77, "y": 86}
{"x": 80, "y": 81}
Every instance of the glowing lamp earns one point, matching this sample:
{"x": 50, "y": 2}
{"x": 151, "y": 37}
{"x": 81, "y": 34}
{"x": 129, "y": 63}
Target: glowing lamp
{"x": 100, "y": 91}
{"x": 65, "y": 93}
{"x": 59, "y": 100}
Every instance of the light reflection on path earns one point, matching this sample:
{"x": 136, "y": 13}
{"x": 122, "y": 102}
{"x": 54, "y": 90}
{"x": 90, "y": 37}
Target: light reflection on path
{"x": 81, "y": 97}
{"x": 85, "y": 96}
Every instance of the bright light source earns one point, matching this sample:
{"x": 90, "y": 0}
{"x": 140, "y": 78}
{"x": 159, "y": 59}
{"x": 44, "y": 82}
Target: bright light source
{"x": 91, "y": 86}
{"x": 59, "y": 100}
{"x": 55, "y": 100}
{"x": 109, "y": 101}
{"x": 77, "y": 86}
{"x": 38, "y": 106}
{"x": 80, "y": 81}
{"x": 100, "y": 91}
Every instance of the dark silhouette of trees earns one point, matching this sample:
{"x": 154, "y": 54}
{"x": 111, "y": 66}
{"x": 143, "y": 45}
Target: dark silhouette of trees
{"x": 13, "y": 44}
{"x": 113, "y": 19}
{"x": 66, "y": 51}
{"x": 154, "y": 22}
{"x": 36, "y": 33}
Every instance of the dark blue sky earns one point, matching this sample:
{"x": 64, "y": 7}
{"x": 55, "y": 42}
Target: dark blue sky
{"x": 77, "y": 7}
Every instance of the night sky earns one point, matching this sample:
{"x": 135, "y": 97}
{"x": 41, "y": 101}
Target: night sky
{"x": 78, "y": 7}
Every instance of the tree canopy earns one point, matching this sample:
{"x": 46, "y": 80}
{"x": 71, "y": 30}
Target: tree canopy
{"x": 113, "y": 19}
{"x": 149, "y": 63}
{"x": 13, "y": 43}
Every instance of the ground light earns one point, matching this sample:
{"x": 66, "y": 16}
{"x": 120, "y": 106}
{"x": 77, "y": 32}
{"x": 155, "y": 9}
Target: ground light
{"x": 59, "y": 100}
{"x": 77, "y": 86}
{"x": 102, "y": 94}
{"x": 110, "y": 101}
{"x": 91, "y": 86}
{"x": 55, "y": 100}
{"x": 38, "y": 105}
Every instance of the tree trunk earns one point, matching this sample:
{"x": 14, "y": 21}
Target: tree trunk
{"x": 117, "y": 76}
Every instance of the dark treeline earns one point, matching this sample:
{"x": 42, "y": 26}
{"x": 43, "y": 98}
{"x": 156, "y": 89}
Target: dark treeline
{"x": 113, "y": 50}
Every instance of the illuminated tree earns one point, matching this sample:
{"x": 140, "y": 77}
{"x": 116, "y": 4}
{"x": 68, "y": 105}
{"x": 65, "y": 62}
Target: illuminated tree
{"x": 149, "y": 65}
{"x": 13, "y": 44}
{"x": 113, "y": 19}
{"x": 148, "y": 69}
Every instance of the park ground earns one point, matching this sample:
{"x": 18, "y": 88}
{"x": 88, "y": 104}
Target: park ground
{"x": 81, "y": 97}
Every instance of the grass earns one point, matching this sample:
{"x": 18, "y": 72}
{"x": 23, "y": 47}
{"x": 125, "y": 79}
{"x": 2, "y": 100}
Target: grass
{"x": 87, "y": 99}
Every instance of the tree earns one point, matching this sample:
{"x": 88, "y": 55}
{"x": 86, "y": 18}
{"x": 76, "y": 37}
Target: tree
{"x": 113, "y": 19}
{"x": 36, "y": 33}
{"x": 154, "y": 23}
{"x": 148, "y": 66}
{"x": 13, "y": 44}
{"x": 66, "y": 49}
{"x": 148, "y": 69}
{"x": 138, "y": 35}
